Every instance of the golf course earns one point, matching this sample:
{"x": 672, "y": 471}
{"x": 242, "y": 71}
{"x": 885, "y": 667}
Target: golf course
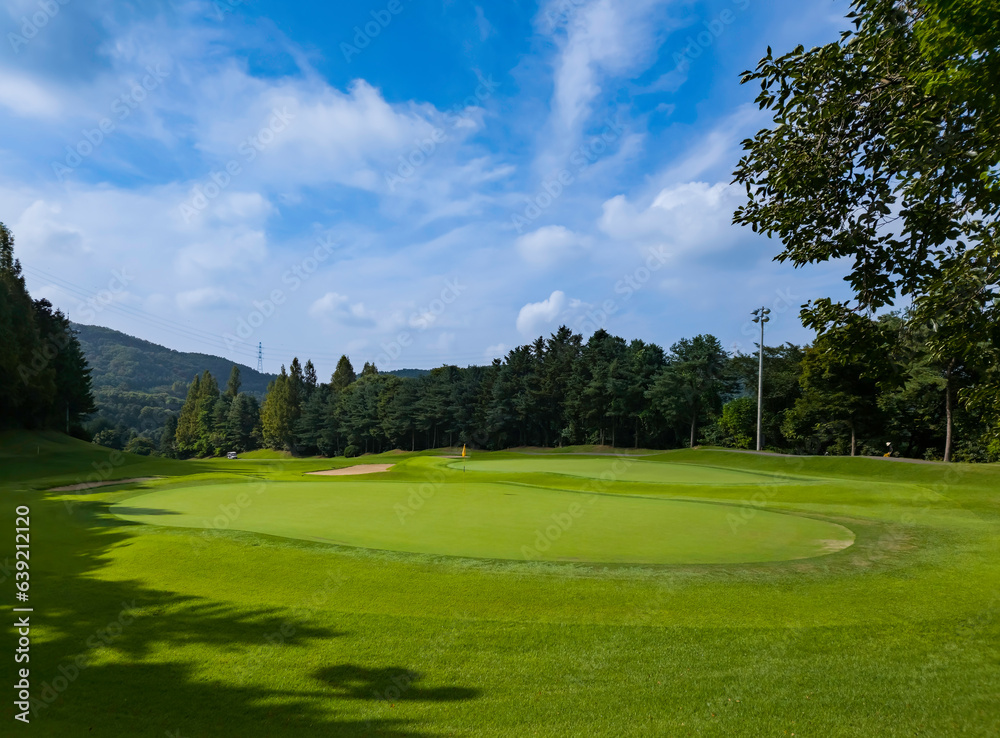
{"x": 577, "y": 591}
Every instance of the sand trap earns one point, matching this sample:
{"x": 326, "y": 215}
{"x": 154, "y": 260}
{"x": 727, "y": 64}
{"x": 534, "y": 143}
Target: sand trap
{"x": 351, "y": 470}
{"x": 91, "y": 485}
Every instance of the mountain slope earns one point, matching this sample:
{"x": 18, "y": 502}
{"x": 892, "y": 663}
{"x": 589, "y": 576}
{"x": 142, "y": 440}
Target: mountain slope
{"x": 124, "y": 362}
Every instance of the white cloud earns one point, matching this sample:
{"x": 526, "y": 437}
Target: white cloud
{"x": 205, "y": 298}
{"x": 534, "y": 316}
{"x": 482, "y": 23}
{"x": 496, "y": 351}
{"x": 338, "y": 308}
{"x": 687, "y": 217}
{"x": 601, "y": 39}
{"x": 550, "y": 244}
{"x": 27, "y": 98}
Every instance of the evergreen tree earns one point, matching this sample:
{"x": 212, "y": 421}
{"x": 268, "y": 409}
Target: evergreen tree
{"x": 208, "y": 397}
{"x": 234, "y": 383}
{"x": 343, "y": 375}
{"x": 276, "y": 413}
{"x": 168, "y": 441}
{"x": 186, "y": 436}
{"x": 242, "y": 423}
{"x": 691, "y": 384}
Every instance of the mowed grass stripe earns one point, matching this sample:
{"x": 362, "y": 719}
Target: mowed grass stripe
{"x": 493, "y": 521}
{"x": 626, "y": 470}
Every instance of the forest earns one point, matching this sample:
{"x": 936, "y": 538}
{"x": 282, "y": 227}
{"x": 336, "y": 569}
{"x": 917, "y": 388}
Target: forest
{"x": 565, "y": 390}
{"x": 44, "y": 378}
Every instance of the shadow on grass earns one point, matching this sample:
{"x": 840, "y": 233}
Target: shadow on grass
{"x": 395, "y": 685}
{"x": 119, "y": 510}
{"x": 120, "y": 658}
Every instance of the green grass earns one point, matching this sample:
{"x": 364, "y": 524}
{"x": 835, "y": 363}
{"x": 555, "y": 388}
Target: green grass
{"x": 494, "y": 521}
{"x": 228, "y": 632}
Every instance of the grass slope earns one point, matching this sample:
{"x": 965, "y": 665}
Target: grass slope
{"x": 243, "y": 634}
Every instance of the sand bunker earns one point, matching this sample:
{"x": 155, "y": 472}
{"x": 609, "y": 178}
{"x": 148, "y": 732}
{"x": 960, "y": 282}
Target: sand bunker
{"x": 351, "y": 470}
{"x": 91, "y": 485}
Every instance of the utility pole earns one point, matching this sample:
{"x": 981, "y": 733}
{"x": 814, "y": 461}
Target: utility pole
{"x": 260, "y": 357}
{"x": 760, "y": 316}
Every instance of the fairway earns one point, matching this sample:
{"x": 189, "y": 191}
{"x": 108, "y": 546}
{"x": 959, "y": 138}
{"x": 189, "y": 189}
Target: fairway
{"x": 624, "y": 469}
{"x": 496, "y": 521}
{"x": 246, "y": 597}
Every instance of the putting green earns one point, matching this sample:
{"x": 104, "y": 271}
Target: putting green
{"x": 619, "y": 469}
{"x": 492, "y": 520}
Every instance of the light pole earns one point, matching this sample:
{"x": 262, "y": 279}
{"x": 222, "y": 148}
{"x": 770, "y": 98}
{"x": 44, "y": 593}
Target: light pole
{"x": 760, "y": 316}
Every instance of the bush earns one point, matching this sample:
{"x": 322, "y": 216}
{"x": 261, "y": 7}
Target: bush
{"x": 140, "y": 446}
{"x": 351, "y": 451}
{"x": 738, "y": 424}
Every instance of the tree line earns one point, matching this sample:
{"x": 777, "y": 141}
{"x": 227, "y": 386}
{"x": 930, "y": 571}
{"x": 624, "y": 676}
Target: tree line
{"x": 564, "y": 390}
{"x": 44, "y": 377}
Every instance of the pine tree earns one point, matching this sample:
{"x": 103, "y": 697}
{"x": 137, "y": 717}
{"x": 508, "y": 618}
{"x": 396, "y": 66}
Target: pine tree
{"x": 242, "y": 421}
{"x": 187, "y": 422}
{"x": 234, "y": 383}
{"x": 208, "y": 397}
{"x": 275, "y": 413}
{"x": 168, "y": 441}
{"x": 343, "y": 375}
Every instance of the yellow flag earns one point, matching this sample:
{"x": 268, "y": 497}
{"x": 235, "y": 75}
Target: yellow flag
{"x": 463, "y": 449}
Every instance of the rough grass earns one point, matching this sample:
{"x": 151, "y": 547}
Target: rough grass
{"x": 245, "y": 634}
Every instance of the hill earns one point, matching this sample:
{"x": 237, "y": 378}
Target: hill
{"x": 138, "y": 383}
{"x": 124, "y": 362}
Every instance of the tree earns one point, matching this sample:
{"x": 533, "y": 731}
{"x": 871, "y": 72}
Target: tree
{"x": 168, "y": 443}
{"x": 309, "y": 426}
{"x": 276, "y": 413}
{"x": 309, "y": 380}
{"x": 876, "y": 153}
{"x": 343, "y": 375}
{"x": 884, "y": 149}
{"x": 738, "y": 422}
{"x": 72, "y": 398}
{"x": 691, "y": 382}
{"x": 242, "y": 423}
{"x": 839, "y": 397}
{"x": 44, "y": 378}
{"x": 234, "y": 383}
{"x": 186, "y": 435}
{"x": 782, "y": 368}
{"x": 141, "y": 446}
{"x": 208, "y": 398}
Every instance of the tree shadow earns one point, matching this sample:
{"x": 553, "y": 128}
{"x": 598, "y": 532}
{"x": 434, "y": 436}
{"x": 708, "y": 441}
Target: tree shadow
{"x": 394, "y": 685}
{"x": 122, "y": 658}
{"x": 119, "y": 510}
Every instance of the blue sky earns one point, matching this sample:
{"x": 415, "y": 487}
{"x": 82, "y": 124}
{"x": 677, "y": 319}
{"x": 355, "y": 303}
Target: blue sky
{"x": 408, "y": 182}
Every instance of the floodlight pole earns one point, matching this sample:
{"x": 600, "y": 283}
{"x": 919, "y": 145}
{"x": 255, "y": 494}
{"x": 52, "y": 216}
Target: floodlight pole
{"x": 760, "y": 317}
